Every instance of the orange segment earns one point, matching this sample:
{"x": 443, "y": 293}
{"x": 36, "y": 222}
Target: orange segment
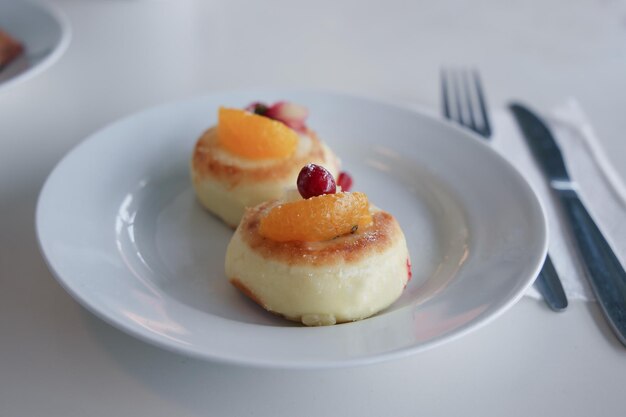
{"x": 317, "y": 218}
{"x": 255, "y": 137}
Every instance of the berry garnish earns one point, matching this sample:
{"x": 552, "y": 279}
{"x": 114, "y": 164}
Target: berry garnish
{"x": 315, "y": 180}
{"x": 344, "y": 181}
{"x": 290, "y": 114}
{"x": 257, "y": 108}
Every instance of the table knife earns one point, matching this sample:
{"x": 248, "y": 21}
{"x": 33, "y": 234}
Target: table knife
{"x": 549, "y": 286}
{"x": 603, "y": 270}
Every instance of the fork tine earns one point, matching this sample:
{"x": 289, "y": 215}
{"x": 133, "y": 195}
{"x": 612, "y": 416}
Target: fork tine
{"x": 464, "y": 100}
{"x": 444, "y": 94}
{"x": 486, "y": 131}
{"x": 457, "y": 95}
{"x": 465, "y": 78}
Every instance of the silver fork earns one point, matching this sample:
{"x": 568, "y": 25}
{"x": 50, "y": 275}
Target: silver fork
{"x": 464, "y": 103}
{"x": 470, "y": 102}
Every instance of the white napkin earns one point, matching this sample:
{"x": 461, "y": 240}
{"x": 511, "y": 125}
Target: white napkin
{"x": 600, "y": 188}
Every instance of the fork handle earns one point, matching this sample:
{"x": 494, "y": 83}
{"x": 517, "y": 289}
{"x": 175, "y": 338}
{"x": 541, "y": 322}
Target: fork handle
{"x": 604, "y": 271}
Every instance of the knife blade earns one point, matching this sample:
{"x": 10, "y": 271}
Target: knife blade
{"x": 604, "y": 271}
{"x": 549, "y": 286}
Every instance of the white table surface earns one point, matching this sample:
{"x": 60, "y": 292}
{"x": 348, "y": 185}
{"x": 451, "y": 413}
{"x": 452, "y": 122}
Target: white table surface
{"x": 56, "y": 359}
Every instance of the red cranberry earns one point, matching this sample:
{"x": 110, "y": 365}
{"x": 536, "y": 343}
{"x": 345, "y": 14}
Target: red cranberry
{"x": 315, "y": 180}
{"x": 344, "y": 181}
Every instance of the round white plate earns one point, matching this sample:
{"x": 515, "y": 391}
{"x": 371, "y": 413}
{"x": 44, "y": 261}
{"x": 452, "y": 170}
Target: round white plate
{"x": 44, "y": 31}
{"x": 121, "y": 230}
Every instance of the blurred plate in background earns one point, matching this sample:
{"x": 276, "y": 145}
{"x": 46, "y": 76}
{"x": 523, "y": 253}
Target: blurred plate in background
{"x": 44, "y": 32}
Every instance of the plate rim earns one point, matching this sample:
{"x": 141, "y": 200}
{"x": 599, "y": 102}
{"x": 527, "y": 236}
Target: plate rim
{"x": 398, "y": 353}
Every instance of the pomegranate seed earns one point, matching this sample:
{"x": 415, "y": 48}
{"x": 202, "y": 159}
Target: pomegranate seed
{"x": 315, "y": 180}
{"x": 344, "y": 181}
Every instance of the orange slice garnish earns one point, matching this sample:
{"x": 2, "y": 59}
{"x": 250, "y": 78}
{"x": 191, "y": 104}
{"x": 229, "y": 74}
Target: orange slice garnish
{"x": 317, "y": 218}
{"x": 254, "y": 137}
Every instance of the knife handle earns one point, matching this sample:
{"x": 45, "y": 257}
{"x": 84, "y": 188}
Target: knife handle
{"x": 605, "y": 273}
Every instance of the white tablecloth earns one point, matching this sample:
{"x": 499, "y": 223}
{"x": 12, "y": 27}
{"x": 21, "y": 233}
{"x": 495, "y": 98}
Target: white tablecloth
{"x": 56, "y": 359}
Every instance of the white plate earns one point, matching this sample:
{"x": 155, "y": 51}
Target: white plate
{"x": 119, "y": 226}
{"x": 44, "y": 31}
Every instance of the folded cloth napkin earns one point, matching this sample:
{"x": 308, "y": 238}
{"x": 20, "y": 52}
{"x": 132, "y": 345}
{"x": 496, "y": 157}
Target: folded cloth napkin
{"x": 600, "y": 187}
